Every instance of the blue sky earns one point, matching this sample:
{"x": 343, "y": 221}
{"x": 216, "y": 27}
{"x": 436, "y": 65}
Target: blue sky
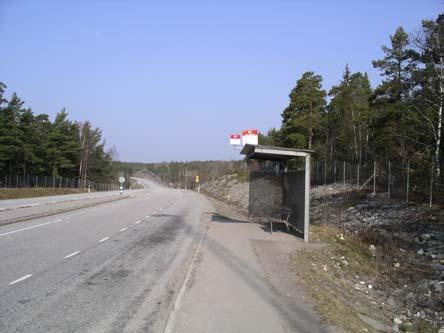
{"x": 170, "y": 80}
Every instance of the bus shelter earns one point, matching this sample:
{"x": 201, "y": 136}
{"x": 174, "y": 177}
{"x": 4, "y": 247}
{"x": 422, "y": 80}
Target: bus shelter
{"x": 276, "y": 190}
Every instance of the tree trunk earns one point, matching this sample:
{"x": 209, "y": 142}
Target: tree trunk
{"x": 355, "y": 139}
{"x": 310, "y": 129}
{"x": 438, "y": 137}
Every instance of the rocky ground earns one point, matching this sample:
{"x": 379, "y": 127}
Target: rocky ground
{"x": 407, "y": 243}
{"x": 384, "y": 259}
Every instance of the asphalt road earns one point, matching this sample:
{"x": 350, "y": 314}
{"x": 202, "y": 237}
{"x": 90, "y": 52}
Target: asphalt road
{"x": 110, "y": 268}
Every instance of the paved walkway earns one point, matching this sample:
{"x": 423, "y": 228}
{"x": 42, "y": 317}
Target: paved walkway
{"x": 241, "y": 283}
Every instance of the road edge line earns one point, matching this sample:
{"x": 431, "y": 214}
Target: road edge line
{"x": 61, "y": 211}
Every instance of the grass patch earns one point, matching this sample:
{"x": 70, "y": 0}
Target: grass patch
{"x": 18, "y": 193}
{"x": 330, "y": 273}
{"x": 332, "y": 276}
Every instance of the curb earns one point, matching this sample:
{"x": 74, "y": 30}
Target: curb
{"x": 60, "y": 211}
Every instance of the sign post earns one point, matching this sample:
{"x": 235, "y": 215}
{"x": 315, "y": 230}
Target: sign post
{"x": 121, "y": 181}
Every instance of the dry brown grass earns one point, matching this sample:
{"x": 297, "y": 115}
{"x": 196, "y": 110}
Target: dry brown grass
{"x": 18, "y": 193}
{"x": 332, "y": 283}
{"x": 328, "y": 279}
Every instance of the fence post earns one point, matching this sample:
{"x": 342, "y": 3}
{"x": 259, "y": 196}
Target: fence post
{"x": 325, "y": 173}
{"x": 374, "y": 178}
{"x": 6, "y": 181}
{"x": 431, "y": 183}
{"x": 344, "y": 175}
{"x": 408, "y": 182}
{"x": 317, "y": 172}
{"x": 357, "y": 182}
{"x": 45, "y": 181}
{"x": 334, "y": 173}
{"x": 389, "y": 178}
{"x": 17, "y": 184}
{"x": 36, "y": 181}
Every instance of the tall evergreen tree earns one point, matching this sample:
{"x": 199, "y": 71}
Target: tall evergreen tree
{"x": 349, "y": 110}
{"x": 11, "y": 135}
{"x": 300, "y": 120}
{"x": 391, "y": 98}
{"x": 63, "y": 146}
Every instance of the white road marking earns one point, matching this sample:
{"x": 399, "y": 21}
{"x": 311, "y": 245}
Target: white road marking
{"x": 137, "y": 222}
{"x": 148, "y": 216}
{"x": 123, "y": 229}
{"x": 31, "y": 227}
{"x": 27, "y": 276}
{"x": 71, "y": 254}
{"x": 103, "y": 239}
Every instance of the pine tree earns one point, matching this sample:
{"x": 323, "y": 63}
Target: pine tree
{"x": 391, "y": 98}
{"x": 11, "y": 135}
{"x": 349, "y": 110}
{"x": 63, "y": 146}
{"x": 300, "y": 120}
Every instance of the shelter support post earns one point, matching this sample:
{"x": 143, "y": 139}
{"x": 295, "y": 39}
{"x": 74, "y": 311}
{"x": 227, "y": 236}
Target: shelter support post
{"x": 307, "y": 198}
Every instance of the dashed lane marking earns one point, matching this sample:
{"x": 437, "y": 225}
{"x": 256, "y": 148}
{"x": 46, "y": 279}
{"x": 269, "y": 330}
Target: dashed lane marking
{"x": 27, "y": 276}
{"x": 103, "y": 239}
{"x": 71, "y": 254}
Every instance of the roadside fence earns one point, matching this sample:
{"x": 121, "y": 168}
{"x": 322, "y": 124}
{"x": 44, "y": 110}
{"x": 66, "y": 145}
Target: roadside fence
{"x": 410, "y": 181}
{"x": 35, "y": 181}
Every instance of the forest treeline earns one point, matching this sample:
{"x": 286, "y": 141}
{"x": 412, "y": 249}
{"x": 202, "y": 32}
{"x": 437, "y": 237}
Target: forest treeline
{"x": 183, "y": 174}
{"x": 399, "y": 120}
{"x": 32, "y": 144}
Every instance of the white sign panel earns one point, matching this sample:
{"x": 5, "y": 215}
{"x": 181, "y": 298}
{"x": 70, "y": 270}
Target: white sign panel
{"x": 250, "y": 136}
{"x": 121, "y": 179}
{"x": 235, "y": 140}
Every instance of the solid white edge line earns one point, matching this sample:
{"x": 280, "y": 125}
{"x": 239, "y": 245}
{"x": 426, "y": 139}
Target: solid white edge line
{"x": 103, "y": 239}
{"x": 176, "y": 306}
{"x": 123, "y": 229}
{"x": 71, "y": 254}
{"x": 30, "y": 227}
{"x": 27, "y": 276}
